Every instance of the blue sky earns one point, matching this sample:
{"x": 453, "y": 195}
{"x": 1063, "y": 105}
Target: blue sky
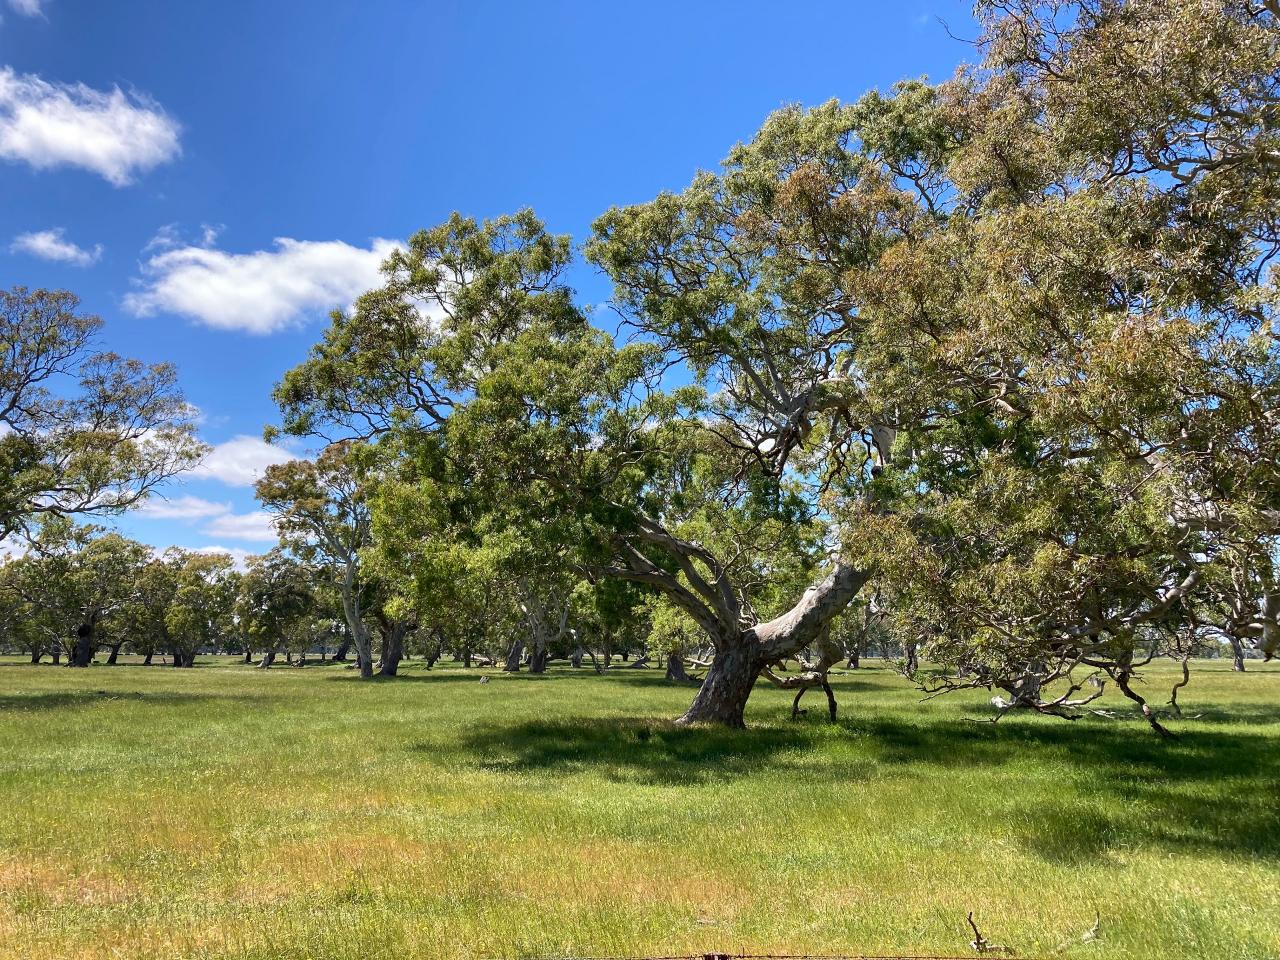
{"x": 211, "y": 178}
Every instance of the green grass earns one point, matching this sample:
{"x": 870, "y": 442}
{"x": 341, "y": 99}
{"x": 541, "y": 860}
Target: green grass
{"x": 227, "y": 812}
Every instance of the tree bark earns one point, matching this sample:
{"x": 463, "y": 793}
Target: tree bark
{"x": 742, "y": 654}
{"x": 722, "y": 698}
{"x": 1237, "y": 655}
{"x": 675, "y": 669}
{"x": 392, "y": 651}
{"x": 85, "y": 646}
{"x": 538, "y": 659}
{"x": 268, "y": 659}
{"x": 115, "y": 653}
{"x": 36, "y": 655}
{"x": 146, "y": 661}
{"x": 514, "y": 656}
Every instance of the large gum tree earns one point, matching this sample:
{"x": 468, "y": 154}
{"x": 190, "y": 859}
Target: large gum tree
{"x": 1007, "y": 342}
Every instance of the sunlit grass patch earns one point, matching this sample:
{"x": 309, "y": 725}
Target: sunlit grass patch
{"x": 224, "y": 812}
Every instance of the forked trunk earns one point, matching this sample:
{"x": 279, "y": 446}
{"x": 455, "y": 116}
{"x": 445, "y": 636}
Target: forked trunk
{"x": 742, "y": 655}
{"x": 392, "y": 651}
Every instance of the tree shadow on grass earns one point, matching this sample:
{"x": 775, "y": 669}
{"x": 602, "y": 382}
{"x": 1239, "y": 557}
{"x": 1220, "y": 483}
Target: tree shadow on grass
{"x": 78, "y": 699}
{"x": 1067, "y": 793}
{"x": 1121, "y": 787}
{"x": 627, "y": 750}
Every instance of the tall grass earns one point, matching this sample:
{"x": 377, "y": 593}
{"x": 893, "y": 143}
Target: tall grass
{"x": 226, "y": 812}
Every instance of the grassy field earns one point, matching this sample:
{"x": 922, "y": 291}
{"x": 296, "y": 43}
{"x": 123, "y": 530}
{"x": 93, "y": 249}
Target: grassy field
{"x": 228, "y": 812}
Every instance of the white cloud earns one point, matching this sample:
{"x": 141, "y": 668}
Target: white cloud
{"x": 50, "y": 245}
{"x": 166, "y": 238}
{"x": 241, "y": 460}
{"x": 112, "y": 133}
{"x": 11, "y": 548}
{"x": 27, "y": 8}
{"x": 182, "y": 508}
{"x": 259, "y": 292}
{"x": 257, "y": 526}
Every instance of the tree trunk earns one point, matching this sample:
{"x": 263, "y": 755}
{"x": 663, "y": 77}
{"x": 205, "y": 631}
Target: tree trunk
{"x": 146, "y": 661}
{"x": 722, "y": 698}
{"x": 36, "y": 655}
{"x": 268, "y": 659}
{"x": 576, "y": 659}
{"x": 514, "y": 656}
{"x": 56, "y": 654}
{"x": 85, "y": 646}
{"x": 675, "y": 669}
{"x": 742, "y": 654}
{"x": 343, "y": 647}
{"x": 538, "y": 659}
{"x": 115, "y": 653}
{"x": 392, "y": 651}
{"x": 1237, "y": 655}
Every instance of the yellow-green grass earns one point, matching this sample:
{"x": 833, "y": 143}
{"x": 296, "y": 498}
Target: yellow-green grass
{"x": 231, "y": 812}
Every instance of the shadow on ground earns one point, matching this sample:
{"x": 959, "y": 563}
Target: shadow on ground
{"x": 1076, "y": 792}
{"x": 79, "y": 699}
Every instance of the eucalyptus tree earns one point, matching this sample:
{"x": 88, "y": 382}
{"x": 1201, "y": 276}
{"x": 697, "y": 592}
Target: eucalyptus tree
{"x": 72, "y": 580}
{"x": 1006, "y": 343}
{"x": 473, "y": 365}
{"x": 142, "y": 620}
{"x": 275, "y": 602}
{"x": 322, "y": 513}
{"x": 1080, "y": 357}
{"x": 83, "y": 432}
{"x": 200, "y": 611}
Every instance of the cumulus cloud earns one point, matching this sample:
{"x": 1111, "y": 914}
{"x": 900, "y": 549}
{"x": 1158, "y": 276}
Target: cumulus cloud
{"x": 258, "y": 292}
{"x": 256, "y": 526}
{"x": 182, "y": 508}
{"x": 109, "y": 132}
{"x": 51, "y": 245}
{"x": 221, "y": 520}
{"x": 241, "y": 460}
{"x": 27, "y": 8}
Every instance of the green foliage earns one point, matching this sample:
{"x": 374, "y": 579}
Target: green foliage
{"x": 83, "y": 432}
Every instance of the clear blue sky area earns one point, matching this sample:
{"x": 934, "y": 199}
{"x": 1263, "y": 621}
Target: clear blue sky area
{"x": 211, "y": 178}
